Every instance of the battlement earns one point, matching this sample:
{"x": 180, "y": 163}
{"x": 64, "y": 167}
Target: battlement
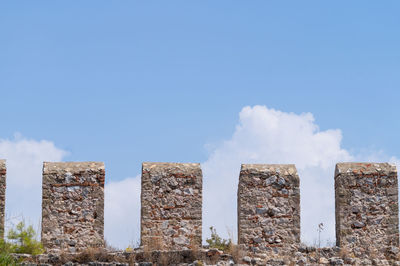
{"x": 3, "y": 172}
{"x": 72, "y": 206}
{"x": 171, "y": 205}
{"x": 366, "y": 207}
{"x": 268, "y": 208}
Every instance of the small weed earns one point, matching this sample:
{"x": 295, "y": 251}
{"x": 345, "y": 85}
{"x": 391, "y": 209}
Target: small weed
{"x": 129, "y": 249}
{"x": 217, "y": 242}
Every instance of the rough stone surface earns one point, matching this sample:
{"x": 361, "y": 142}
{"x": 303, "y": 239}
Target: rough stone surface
{"x": 73, "y": 206}
{"x": 101, "y": 257}
{"x": 171, "y": 216}
{"x": 139, "y": 257}
{"x": 268, "y": 208}
{"x": 366, "y": 202}
{"x": 3, "y": 171}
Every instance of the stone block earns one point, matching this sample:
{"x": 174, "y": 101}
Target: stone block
{"x": 171, "y": 198}
{"x": 268, "y": 208}
{"x": 366, "y": 208}
{"x": 72, "y": 206}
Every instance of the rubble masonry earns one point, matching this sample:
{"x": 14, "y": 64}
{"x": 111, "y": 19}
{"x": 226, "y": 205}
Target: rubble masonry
{"x": 3, "y": 172}
{"x": 268, "y": 209}
{"x": 72, "y": 206}
{"x": 171, "y": 198}
{"x": 366, "y": 199}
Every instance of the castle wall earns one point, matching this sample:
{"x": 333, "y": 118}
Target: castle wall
{"x": 366, "y": 202}
{"x": 268, "y": 208}
{"x": 171, "y": 198}
{"x": 73, "y": 206}
{"x": 3, "y": 172}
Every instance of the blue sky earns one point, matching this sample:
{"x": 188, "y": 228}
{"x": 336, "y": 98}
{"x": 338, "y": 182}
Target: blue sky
{"x": 130, "y": 81}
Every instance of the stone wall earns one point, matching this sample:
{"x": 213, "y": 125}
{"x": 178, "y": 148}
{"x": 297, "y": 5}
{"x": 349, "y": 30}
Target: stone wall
{"x": 3, "y": 171}
{"x": 268, "y": 209}
{"x": 367, "y": 226}
{"x": 72, "y": 206}
{"x": 309, "y": 256}
{"x": 171, "y": 215}
{"x": 367, "y": 223}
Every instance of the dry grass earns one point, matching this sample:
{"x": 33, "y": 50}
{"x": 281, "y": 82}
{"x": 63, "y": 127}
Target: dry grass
{"x": 164, "y": 259}
{"x": 344, "y": 253}
{"x": 109, "y": 247}
{"x": 195, "y": 244}
{"x": 85, "y": 256}
{"x": 64, "y": 257}
{"x": 235, "y": 251}
{"x": 151, "y": 245}
{"x": 93, "y": 254}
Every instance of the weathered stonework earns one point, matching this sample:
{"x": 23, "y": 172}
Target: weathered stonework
{"x": 268, "y": 209}
{"x": 366, "y": 202}
{"x": 3, "y": 172}
{"x": 304, "y": 255}
{"x": 73, "y": 206}
{"x": 171, "y": 201}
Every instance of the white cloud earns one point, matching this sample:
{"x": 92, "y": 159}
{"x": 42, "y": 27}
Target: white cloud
{"x": 262, "y": 135}
{"x": 266, "y": 135}
{"x": 25, "y": 159}
{"x": 24, "y": 176}
{"x": 122, "y": 212}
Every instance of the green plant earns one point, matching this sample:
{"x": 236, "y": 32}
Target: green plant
{"x": 217, "y": 242}
{"x": 23, "y": 240}
{"x": 7, "y": 260}
{"x": 5, "y": 257}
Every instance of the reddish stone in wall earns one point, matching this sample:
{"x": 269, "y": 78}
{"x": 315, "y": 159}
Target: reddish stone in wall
{"x": 171, "y": 198}
{"x": 268, "y": 209}
{"x": 366, "y": 199}
{"x": 73, "y": 206}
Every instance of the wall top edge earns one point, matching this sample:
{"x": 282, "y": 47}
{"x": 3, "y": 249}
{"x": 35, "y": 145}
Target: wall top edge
{"x": 56, "y": 167}
{"x": 269, "y": 167}
{"x": 169, "y": 165}
{"x": 365, "y": 168}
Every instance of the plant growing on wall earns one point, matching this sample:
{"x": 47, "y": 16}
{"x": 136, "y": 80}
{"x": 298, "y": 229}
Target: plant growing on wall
{"x": 217, "y": 242}
{"x": 19, "y": 240}
{"x": 5, "y": 257}
{"x": 23, "y": 240}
